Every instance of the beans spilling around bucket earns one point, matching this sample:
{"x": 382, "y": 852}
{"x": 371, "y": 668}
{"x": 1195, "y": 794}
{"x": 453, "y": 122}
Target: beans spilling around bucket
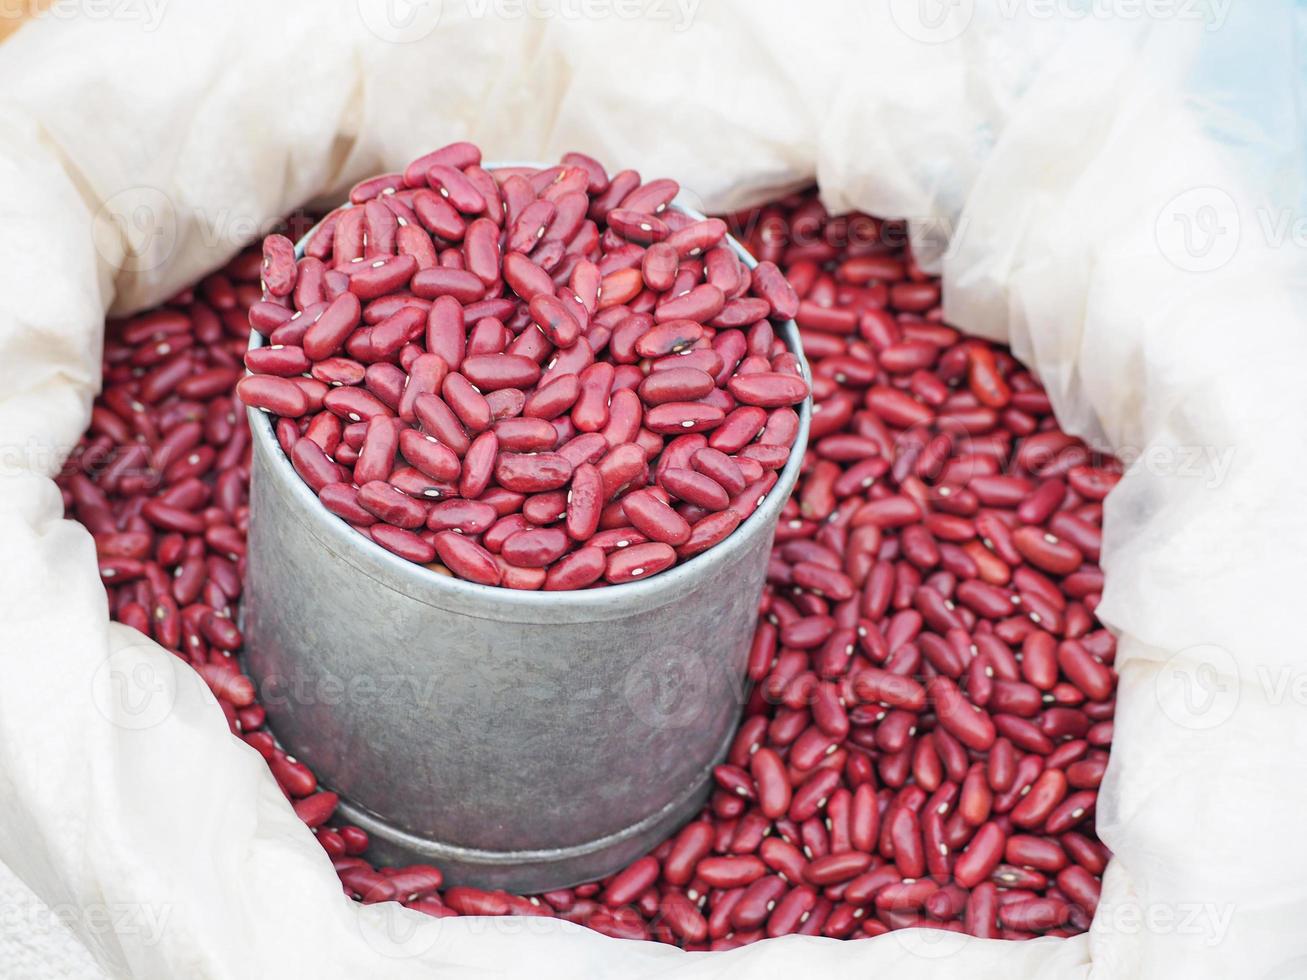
{"x": 541, "y": 379}
{"x": 933, "y": 698}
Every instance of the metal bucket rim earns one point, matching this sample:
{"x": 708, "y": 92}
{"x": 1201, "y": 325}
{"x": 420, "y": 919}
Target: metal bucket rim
{"x": 509, "y": 605}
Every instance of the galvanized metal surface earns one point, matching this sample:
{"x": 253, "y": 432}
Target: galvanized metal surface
{"x": 520, "y": 740}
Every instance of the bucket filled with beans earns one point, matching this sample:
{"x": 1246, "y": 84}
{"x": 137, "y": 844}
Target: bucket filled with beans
{"x": 522, "y": 435}
{"x": 930, "y": 700}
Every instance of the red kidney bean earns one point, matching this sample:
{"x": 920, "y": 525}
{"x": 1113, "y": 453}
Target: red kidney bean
{"x": 675, "y": 385}
{"x": 478, "y": 465}
{"x": 377, "y": 457}
{"x": 279, "y": 396}
{"x": 720, "y": 468}
{"x": 1071, "y": 811}
{"x": 1081, "y": 887}
{"x": 389, "y": 504}
{"x": 628, "y": 883}
{"x": 1040, "y": 853}
{"x": 311, "y": 463}
{"x": 552, "y": 400}
{"x": 545, "y": 508}
{"x": 708, "y": 532}
{"x": 638, "y": 561}
{"x": 654, "y": 518}
{"x": 677, "y": 417}
{"x": 277, "y": 359}
{"x": 835, "y": 868}
{"x": 757, "y": 902}
{"x": 429, "y": 455}
{"x": 769, "y": 774}
{"x": 981, "y": 915}
{"x": 556, "y": 321}
{"x": 968, "y": 724}
{"x": 466, "y": 516}
{"x": 690, "y": 846}
{"x": 791, "y": 911}
{"x": 525, "y": 434}
{"x": 768, "y": 390}
{"x": 1046, "y": 793}
{"x": 467, "y": 558}
{"x": 576, "y": 571}
{"x": 535, "y": 547}
{"x": 532, "y": 472}
{"x": 981, "y": 857}
{"x": 730, "y": 872}
{"x": 355, "y": 404}
{"x": 875, "y": 685}
{"x": 1035, "y": 915}
{"x": 620, "y": 466}
{"x": 402, "y": 542}
{"x": 466, "y": 402}
{"x": 585, "y": 502}
{"x": 1090, "y": 676}
{"x": 1086, "y": 774}
{"x": 342, "y": 500}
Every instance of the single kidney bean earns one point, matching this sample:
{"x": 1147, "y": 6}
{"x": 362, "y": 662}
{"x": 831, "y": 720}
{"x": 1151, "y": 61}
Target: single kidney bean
{"x": 695, "y": 488}
{"x": 310, "y": 462}
{"x": 532, "y": 472}
{"x": 342, "y": 500}
{"x": 429, "y": 455}
{"x": 279, "y": 396}
{"x": 730, "y": 872}
{"x": 773, "y": 784}
{"x": 675, "y": 385}
{"x": 968, "y": 724}
{"x": 654, "y": 518}
{"x": 677, "y": 417}
{"x": 709, "y": 531}
{"x": 757, "y": 902}
{"x": 535, "y": 547}
{"x": 389, "y": 504}
{"x": 1045, "y": 794}
{"x": 466, "y": 516}
{"x": 466, "y": 402}
{"x": 1080, "y": 886}
{"x": 490, "y": 372}
{"x": 768, "y": 390}
{"x": 467, "y": 558}
{"x": 581, "y": 568}
{"x": 1035, "y": 915}
{"x": 478, "y": 465}
{"x": 377, "y": 457}
{"x": 354, "y": 404}
{"x": 638, "y": 561}
{"x": 585, "y": 502}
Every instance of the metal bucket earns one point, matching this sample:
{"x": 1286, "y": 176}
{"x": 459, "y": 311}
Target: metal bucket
{"x": 519, "y": 740}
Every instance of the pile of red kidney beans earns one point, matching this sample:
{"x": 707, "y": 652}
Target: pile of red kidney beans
{"x": 932, "y": 707}
{"x": 465, "y": 367}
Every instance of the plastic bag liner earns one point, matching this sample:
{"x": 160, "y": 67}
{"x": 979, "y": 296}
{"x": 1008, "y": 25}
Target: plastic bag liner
{"x": 1113, "y": 188}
